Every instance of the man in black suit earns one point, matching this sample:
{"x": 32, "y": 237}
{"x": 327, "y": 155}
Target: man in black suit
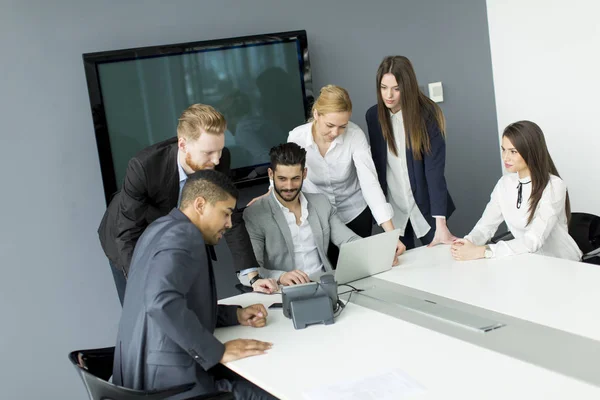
{"x": 166, "y": 334}
{"x": 152, "y": 187}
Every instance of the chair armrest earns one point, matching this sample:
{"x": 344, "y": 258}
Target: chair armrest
{"x": 243, "y": 289}
{"x": 213, "y": 396}
{"x": 502, "y": 236}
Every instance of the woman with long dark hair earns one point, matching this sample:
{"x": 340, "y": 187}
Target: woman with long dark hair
{"x": 407, "y": 135}
{"x": 532, "y": 199}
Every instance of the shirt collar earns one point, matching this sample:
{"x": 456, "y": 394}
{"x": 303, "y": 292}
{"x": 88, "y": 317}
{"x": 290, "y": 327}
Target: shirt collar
{"x": 398, "y": 115}
{"x": 527, "y": 179}
{"x": 311, "y": 140}
{"x": 309, "y": 137}
{"x": 303, "y": 204}
{"x": 182, "y": 175}
{"x": 340, "y": 139}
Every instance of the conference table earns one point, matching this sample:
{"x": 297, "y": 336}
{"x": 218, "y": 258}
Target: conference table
{"x": 548, "y": 345}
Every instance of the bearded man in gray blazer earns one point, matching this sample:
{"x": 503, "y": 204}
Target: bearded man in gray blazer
{"x": 170, "y": 309}
{"x": 290, "y": 231}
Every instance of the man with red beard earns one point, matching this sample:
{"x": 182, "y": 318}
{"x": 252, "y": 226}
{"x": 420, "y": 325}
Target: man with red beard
{"x": 152, "y": 188}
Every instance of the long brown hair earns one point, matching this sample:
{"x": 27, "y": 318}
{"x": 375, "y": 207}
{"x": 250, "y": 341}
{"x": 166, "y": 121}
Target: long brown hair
{"x": 528, "y": 139}
{"x": 416, "y": 107}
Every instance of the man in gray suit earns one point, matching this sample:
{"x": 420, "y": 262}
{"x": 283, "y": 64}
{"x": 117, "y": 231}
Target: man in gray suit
{"x": 170, "y": 308}
{"x": 290, "y": 230}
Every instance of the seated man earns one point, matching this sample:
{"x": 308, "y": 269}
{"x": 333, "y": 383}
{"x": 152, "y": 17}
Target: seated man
{"x": 170, "y": 308}
{"x": 290, "y": 230}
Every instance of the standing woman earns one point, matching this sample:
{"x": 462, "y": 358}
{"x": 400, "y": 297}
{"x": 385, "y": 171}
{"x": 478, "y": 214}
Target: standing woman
{"x": 532, "y": 199}
{"x": 339, "y": 165}
{"x": 407, "y": 134}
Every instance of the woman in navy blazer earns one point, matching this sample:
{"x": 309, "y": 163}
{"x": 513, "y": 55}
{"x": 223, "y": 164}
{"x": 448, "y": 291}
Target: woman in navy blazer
{"x": 407, "y": 135}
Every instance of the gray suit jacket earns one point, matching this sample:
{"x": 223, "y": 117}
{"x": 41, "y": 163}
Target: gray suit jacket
{"x": 272, "y": 240}
{"x": 170, "y": 311}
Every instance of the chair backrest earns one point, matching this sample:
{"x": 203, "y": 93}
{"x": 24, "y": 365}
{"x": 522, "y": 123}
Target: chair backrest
{"x": 585, "y": 230}
{"x": 95, "y": 368}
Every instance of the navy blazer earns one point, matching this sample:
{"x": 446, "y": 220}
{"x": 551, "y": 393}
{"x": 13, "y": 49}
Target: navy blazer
{"x": 426, "y": 176}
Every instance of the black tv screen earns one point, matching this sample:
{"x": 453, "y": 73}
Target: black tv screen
{"x": 261, "y": 83}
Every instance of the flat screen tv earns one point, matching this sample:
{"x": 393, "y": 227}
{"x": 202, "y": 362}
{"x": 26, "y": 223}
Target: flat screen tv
{"x": 261, "y": 83}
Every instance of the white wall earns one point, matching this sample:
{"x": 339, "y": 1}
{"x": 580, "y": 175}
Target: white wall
{"x": 546, "y": 66}
{"x": 56, "y": 289}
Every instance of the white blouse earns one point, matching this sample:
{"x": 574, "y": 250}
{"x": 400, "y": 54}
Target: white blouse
{"x": 547, "y": 234}
{"x": 346, "y": 175}
{"x": 400, "y": 193}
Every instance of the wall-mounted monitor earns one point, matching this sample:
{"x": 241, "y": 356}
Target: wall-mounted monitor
{"x": 261, "y": 83}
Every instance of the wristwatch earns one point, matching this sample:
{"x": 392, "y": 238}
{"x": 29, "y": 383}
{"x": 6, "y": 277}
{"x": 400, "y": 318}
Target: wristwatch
{"x": 256, "y": 277}
{"x": 487, "y": 253}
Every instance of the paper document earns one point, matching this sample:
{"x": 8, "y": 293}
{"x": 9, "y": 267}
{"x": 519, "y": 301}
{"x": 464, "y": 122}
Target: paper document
{"x": 387, "y": 385}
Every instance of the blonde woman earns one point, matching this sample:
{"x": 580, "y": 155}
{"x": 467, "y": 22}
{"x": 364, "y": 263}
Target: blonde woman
{"x": 340, "y": 166}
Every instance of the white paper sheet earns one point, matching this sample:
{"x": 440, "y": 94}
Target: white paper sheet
{"x": 387, "y": 385}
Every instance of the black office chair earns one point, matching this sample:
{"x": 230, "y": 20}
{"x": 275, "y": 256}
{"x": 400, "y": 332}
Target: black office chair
{"x": 95, "y": 368}
{"x": 502, "y": 236}
{"x": 584, "y": 229}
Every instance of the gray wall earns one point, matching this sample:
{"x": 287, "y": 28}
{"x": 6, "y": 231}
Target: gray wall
{"x": 56, "y": 290}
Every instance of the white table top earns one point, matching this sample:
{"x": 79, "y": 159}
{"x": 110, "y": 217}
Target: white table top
{"x": 549, "y": 291}
{"x": 363, "y": 342}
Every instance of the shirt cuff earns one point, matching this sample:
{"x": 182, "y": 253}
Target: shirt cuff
{"x": 474, "y": 240}
{"x": 246, "y": 271}
{"x": 383, "y": 214}
{"x": 275, "y": 275}
{"x": 439, "y": 216}
{"x": 492, "y": 248}
{"x": 243, "y": 276}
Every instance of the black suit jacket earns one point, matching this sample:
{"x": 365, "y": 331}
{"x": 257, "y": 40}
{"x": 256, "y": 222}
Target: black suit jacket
{"x": 426, "y": 175}
{"x": 166, "y": 333}
{"x": 150, "y": 190}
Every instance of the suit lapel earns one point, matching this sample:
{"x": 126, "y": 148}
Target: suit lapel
{"x": 379, "y": 146}
{"x": 283, "y": 226}
{"x": 317, "y": 230}
{"x": 383, "y": 146}
{"x": 172, "y": 182}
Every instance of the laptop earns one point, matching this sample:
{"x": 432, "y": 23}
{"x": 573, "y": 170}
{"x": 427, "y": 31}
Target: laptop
{"x": 365, "y": 257}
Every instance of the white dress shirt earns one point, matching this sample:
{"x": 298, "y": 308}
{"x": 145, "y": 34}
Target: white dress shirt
{"x": 306, "y": 255}
{"x": 400, "y": 193}
{"x": 547, "y": 234}
{"x": 346, "y": 175}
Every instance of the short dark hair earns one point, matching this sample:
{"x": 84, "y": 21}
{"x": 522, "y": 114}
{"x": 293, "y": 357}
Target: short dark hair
{"x": 287, "y": 154}
{"x": 210, "y": 184}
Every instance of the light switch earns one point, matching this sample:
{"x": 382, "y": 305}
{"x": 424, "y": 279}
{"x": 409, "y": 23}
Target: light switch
{"x": 436, "y": 92}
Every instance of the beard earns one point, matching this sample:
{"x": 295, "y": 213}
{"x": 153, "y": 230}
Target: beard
{"x": 195, "y": 166}
{"x": 284, "y": 194}
{"x": 214, "y": 239}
